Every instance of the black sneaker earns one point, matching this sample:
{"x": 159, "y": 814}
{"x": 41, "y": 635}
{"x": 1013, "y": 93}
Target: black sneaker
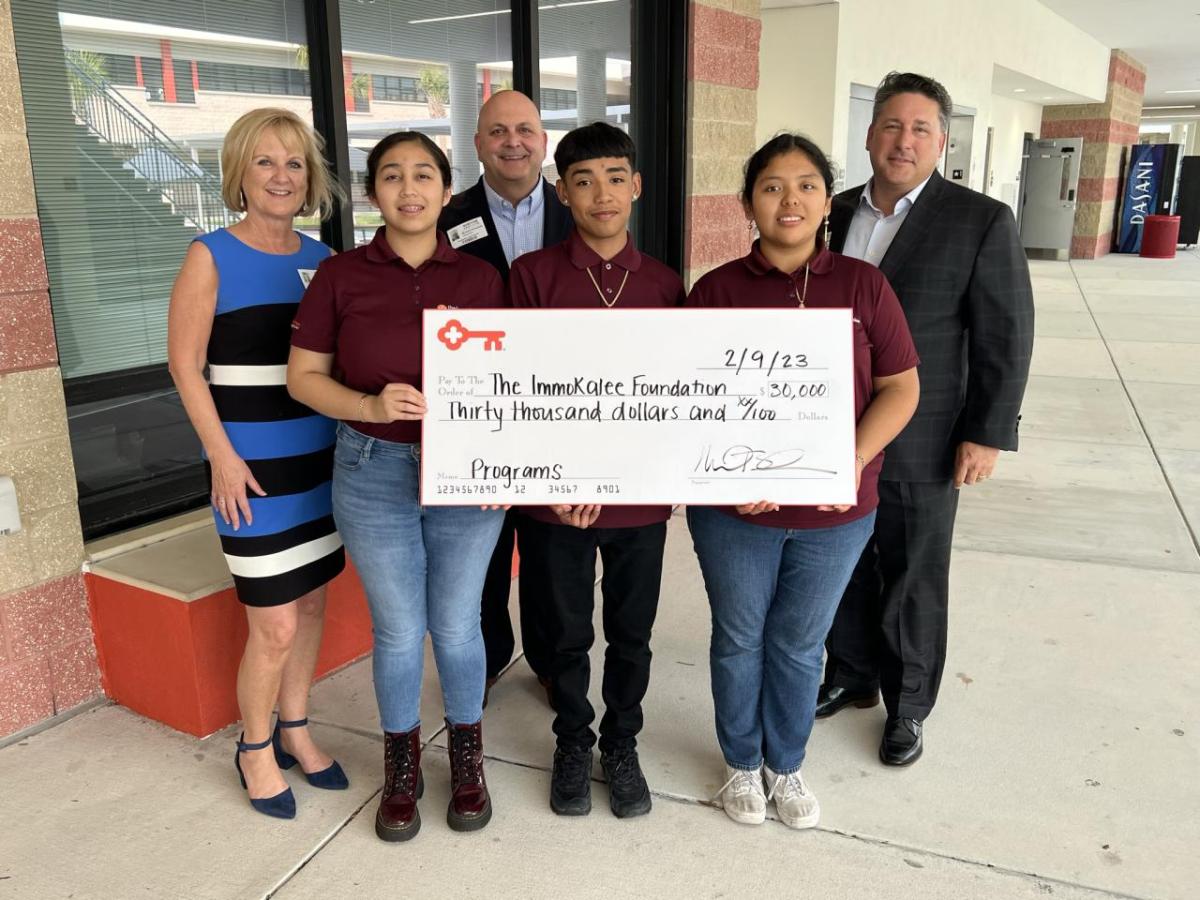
{"x": 628, "y": 794}
{"x": 571, "y": 781}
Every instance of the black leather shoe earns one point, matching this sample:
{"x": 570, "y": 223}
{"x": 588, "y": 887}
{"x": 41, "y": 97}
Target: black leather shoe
{"x": 628, "y": 793}
{"x": 901, "y": 744}
{"x": 831, "y": 698}
{"x": 571, "y": 781}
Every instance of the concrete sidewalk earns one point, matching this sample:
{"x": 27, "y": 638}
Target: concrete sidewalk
{"x": 1062, "y": 760}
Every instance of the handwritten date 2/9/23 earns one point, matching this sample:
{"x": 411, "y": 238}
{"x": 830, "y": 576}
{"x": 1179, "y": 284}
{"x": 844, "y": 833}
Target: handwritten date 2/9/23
{"x": 746, "y": 358}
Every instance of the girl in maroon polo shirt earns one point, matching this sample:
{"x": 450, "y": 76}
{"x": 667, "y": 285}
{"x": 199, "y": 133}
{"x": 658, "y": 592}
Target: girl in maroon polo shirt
{"x": 774, "y": 575}
{"x": 597, "y": 266}
{"x": 356, "y": 357}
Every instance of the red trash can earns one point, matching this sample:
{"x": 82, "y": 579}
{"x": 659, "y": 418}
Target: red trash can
{"x": 1160, "y": 235}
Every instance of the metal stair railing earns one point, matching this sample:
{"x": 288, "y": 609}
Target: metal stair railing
{"x": 192, "y": 191}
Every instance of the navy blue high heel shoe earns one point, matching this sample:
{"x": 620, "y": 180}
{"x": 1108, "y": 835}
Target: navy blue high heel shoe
{"x": 283, "y": 804}
{"x": 331, "y": 778}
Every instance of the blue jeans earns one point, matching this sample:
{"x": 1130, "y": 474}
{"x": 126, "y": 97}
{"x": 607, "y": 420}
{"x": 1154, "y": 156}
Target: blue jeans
{"x": 773, "y": 593}
{"x": 423, "y": 570}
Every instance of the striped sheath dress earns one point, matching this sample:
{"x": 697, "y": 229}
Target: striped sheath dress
{"x": 293, "y": 545}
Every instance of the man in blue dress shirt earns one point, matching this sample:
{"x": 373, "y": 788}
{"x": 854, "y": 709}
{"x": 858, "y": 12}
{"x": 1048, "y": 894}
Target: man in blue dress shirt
{"x": 510, "y": 211}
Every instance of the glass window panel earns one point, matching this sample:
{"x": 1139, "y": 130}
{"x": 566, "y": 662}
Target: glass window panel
{"x": 585, "y": 67}
{"x": 126, "y": 171}
{"x": 152, "y": 78}
{"x": 425, "y": 66}
{"x": 185, "y": 89}
{"x": 398, "y": 89}
{"x": 222, "y": 76}
{"x": 121, "y": 68}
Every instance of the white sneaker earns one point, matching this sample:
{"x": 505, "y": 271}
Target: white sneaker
{"x": 742, "y": 796}
{"x": 796, "y": 804}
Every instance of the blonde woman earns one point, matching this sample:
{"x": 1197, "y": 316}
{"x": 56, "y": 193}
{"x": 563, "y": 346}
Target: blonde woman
{"x": 270, "y": 459}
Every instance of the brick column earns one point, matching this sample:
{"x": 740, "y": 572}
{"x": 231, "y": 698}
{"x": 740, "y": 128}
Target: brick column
{"x": 347, "y": 79}
{"x": 1107, "y": 129}
{"x": 722, "y": 104}
{"x": 47, "y": 657}
{"x": 170, "y": 94}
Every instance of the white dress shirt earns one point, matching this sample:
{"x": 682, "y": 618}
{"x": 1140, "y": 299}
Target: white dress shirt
{"x": 871, "y": 232}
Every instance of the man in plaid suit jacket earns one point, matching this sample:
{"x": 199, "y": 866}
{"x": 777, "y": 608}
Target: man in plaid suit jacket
{"x": 954, "y": 258}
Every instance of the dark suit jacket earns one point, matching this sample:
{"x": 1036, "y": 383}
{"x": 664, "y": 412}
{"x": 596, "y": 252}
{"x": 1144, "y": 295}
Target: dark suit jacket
{"x": 960, "y": 272}
{"x": 556, "y": 223}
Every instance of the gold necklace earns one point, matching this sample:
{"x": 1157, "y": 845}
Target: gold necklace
{"x": 804, "y": 293}
{"x": 603, "y": 300}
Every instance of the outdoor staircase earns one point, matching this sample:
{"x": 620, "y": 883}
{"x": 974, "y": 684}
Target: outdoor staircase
{"x": 147, "y": 151}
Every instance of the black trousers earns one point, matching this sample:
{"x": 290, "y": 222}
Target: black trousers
{"x": 561, "y": 564}
{"x": 498, "y": 638}
{"x": 890, "y": 628}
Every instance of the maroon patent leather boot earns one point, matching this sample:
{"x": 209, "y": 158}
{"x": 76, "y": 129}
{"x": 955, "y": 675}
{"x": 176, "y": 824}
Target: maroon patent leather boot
{"x": 470, "y": 806}
{"x": 398, "y": 819}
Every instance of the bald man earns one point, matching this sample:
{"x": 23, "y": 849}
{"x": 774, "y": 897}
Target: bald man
{"x": 510, "y": 211}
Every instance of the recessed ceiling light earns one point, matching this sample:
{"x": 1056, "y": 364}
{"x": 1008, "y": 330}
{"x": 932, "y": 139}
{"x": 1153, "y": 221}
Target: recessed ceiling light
{"x": 1188, "y": 91}
{"x": 1047, "y": 98}
{"x": 1018, "y": 90}
{"x": 1192, "y": 106}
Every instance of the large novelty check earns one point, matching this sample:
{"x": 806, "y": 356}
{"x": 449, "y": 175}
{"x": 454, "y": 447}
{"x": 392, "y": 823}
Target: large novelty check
{"x": 615, "y": 406}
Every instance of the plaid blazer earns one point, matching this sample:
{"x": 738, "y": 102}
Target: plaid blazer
{"x": 960, "y": 272}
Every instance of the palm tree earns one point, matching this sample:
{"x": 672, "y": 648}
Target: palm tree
{"x": 87, "y": 74}
{"x": 436, "y": 85}
{"x": 360, "y": 90}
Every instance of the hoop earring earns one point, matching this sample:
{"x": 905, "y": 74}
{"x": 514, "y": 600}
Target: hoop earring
{"x": 242, "y": 195}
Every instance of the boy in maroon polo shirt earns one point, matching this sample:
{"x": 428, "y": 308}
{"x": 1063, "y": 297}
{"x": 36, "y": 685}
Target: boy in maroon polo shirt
{"x": 597, "y": 266}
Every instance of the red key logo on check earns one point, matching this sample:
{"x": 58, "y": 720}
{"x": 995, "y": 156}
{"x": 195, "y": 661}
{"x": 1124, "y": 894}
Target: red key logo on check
{"x": 454, "y": 334}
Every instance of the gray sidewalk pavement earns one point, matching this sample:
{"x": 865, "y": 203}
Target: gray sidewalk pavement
{"x": 1062, "y": 759}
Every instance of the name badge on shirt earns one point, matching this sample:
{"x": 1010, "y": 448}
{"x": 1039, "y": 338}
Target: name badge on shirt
{"x": 306, "y": 276}
{"x": 467, "y": 232}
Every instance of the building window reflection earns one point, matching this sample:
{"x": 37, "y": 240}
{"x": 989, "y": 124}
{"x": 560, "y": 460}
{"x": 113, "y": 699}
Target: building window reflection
{"x": 127, "y": 103}
{"x": 585, "y": 67}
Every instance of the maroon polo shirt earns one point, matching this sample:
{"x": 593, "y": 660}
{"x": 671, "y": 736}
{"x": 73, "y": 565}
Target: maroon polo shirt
{"x": 364, "y": 306}
{"x": 882, "y": 343}
{"x": 557, "y": 278}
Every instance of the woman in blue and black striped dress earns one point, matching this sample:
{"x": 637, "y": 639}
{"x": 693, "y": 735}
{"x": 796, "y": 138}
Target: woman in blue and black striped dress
{"x": 270, "y": 459}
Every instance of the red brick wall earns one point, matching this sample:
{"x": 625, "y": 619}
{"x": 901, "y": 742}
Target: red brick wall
{"x": 724, "y": 47}
{"x": 47, "y": 657}
{"x": 1127, "y": 72}
{"x": 1095, "y": 130}
{"x": 1105, "y": 128}
{"x": 26, "y": 328}
{"x": 723, "y": 82}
